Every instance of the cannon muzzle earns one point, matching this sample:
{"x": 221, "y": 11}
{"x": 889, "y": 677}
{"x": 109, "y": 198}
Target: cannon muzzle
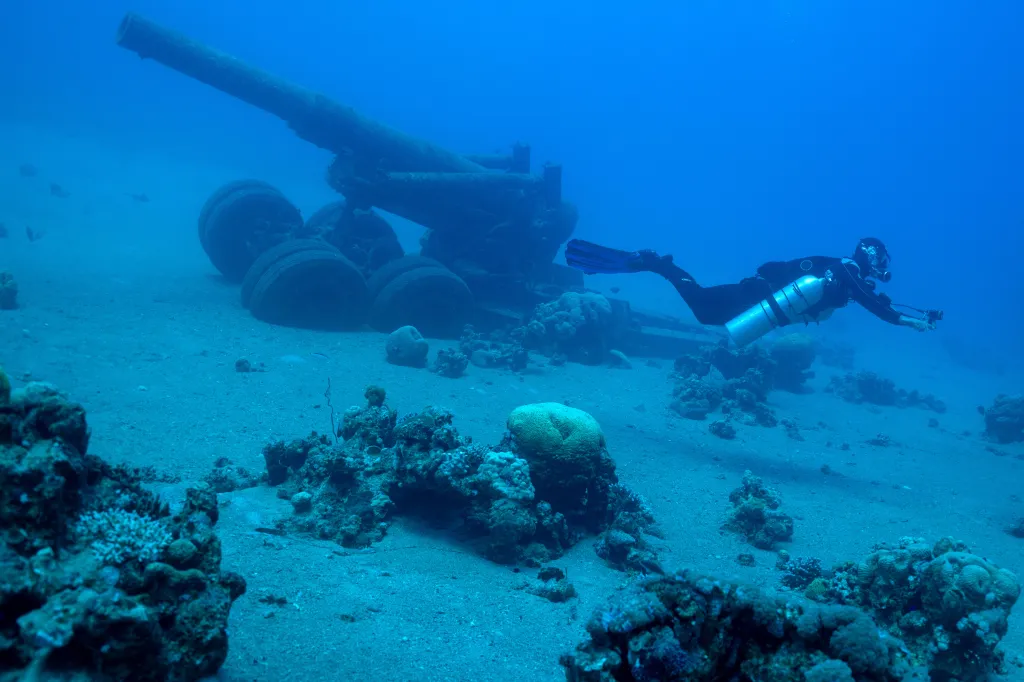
{"x": 313, "y": 116}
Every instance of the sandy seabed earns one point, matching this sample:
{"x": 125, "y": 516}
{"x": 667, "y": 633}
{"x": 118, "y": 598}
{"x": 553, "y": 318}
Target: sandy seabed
{"x": 121, "y": 310}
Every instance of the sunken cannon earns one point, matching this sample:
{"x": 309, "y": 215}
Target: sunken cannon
{"x": 492, "y": 228}
{"x": 483, "y": 213}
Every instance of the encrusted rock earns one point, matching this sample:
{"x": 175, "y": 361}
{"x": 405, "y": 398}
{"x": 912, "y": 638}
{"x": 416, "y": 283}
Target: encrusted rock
{"x": 1004, "y": 420}
{"x": 755, "y": 514}
{"x": 723, "y": 429}
{"x": 551, "y": 584}
{"x": 577, "y": 326}
{"x": 450, "y": 363}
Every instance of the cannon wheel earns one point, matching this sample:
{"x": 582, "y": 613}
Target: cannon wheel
{"x": 364, "y": 237}
{"x": 389, "y": 271}
{"x": 325, "y": 217}
{"x": 434, "y": 300}
{"x": 240, "y": 221}
{"x": 273, "y": 255}
{"x": 219, "y": 195}
{"x": 311, "y": 289}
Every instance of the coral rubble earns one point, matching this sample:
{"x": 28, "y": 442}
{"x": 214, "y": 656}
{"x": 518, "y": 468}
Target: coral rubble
{"x": 495, "y": 350}
{"x": 450, "y": 363}
{"x": 755, "y": 514}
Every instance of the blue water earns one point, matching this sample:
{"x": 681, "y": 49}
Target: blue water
{"x": 725, "y": 133}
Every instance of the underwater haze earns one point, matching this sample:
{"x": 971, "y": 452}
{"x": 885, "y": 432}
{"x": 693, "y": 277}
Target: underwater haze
{"x": 727, "y": 134}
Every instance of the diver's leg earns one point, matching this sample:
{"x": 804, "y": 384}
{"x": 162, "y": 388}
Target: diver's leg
{"x": 595, "y": 259}
{"x": 710, "y": 305}
{"x": 718, "y": 304}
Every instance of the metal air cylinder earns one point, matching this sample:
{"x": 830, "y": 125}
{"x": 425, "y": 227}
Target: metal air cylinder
{"x": 791, "y": 302}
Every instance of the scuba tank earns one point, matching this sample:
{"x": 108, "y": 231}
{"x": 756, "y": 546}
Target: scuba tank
{"x": 785, "y": 306}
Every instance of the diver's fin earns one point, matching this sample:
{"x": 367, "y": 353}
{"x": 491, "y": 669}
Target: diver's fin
{"x": 595, "y": 259}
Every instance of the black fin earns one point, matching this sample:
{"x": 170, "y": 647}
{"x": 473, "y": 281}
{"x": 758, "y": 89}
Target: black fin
{"x": 596, "y": 259}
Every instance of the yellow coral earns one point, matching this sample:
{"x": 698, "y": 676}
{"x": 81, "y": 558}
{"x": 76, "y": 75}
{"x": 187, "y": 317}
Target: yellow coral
{"x": 553, "y": 429}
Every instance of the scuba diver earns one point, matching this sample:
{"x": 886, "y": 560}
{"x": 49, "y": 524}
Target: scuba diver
{"x": 783, "y": 292}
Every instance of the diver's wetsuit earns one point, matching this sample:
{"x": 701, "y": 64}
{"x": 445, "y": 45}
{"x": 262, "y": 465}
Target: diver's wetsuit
{"x": 717, "y": 305}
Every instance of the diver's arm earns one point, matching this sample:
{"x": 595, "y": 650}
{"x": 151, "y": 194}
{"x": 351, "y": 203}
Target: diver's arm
{"x": 878, "y": 305}
{"x": 880, "y": 308}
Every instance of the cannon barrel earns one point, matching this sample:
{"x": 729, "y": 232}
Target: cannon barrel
{"x": 313, "y": 116}
{"x": 453, "y": 201}
{"x": 516, "y": 162}
{"x": 463, "y": 202}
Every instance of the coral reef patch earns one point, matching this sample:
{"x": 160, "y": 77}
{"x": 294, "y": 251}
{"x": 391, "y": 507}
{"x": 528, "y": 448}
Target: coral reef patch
{"x": 97, "y": 577}
{"x": 689, "y": 626}
{"x": 740, "y": 388}
{"x": 949, "y": 606}
{"x": 547, "y": 485}
{"x": 868, "y": 387}
{"x": 755, "y": 514}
